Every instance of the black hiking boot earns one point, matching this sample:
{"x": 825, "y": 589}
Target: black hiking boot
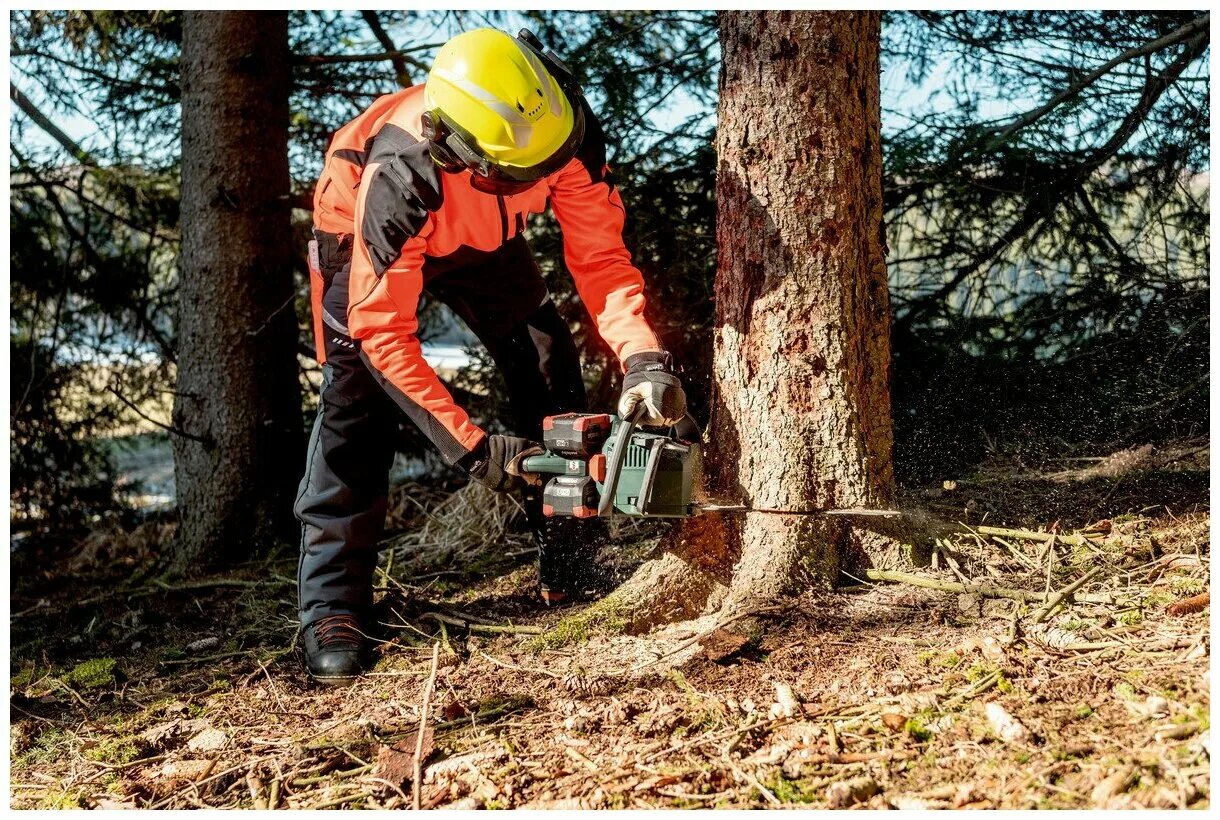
{"x": 334, "y": 649}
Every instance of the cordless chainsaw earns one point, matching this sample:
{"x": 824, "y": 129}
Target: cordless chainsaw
{"x": 602, "y": 465}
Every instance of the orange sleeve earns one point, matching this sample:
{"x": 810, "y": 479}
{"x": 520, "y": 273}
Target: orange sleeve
{"x": 591, "y": 217}
{"x": 384, "y": 288}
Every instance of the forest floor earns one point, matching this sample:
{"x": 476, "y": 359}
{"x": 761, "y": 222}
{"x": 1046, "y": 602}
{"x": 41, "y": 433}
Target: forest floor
{"x": 189, "y": 692}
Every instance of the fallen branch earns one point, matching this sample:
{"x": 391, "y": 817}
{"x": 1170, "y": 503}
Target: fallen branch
{"x": 423, "y": 726}
{"x": 516, "y": 668}
{"x": 1057, "y": 599}
{"x": 321, "y": 778}
{"x": 1078, "y": 539}
{"x": 339, "y": 801}
{"x": 491, "y": 629}
{"x": 986, "y": 590}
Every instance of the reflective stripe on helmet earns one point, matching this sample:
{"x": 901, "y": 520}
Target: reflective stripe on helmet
{"x": 521, "y": 128}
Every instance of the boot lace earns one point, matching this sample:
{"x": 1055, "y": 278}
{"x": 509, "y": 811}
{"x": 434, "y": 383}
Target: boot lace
{"x": 337, "y": 629}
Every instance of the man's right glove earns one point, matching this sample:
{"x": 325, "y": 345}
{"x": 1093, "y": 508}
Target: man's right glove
{"x": 496, "y": 462}
{"x": 650, "y": 383}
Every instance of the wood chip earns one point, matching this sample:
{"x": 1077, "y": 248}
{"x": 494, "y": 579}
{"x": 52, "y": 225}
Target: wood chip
{"x": 1177, "y": 731}
{"x": 786, "y": 705}
{"x": 1111, "y": 786}
{"x": 894, "y": 721}
{"x": 1006, "y": 727}
{"x": 395, "y": 763}
{"x": 209, "y": 740}
{"x": 850, "y": 792}
{"x": 165, "y": 734}
{"x": 1189, "y": 606}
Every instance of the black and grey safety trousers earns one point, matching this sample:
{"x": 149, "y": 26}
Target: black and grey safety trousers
{"x": 342, "y": 500}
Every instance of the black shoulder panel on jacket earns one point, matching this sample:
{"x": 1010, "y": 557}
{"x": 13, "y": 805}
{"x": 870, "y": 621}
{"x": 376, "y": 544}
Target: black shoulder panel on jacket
{"x": 592, "y": 151}
{"x": 402, "y": 191}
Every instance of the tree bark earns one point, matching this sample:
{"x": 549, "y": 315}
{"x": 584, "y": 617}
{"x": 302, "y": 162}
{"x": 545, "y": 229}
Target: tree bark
{"x": 237, "y": 334}
{"x": 801, "y": 409}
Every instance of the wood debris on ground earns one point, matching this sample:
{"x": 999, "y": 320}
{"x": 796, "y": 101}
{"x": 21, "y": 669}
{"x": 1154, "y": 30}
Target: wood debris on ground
{"x": 1087, "y": 688}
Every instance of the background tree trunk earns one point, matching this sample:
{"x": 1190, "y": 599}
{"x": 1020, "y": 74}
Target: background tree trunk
{"x": 237, "y": 370}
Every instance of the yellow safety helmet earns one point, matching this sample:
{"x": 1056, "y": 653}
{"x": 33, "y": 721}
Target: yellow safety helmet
{"x": 503, "y": 107}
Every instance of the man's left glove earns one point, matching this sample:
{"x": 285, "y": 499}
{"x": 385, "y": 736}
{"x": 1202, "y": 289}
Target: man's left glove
{"x": 650, "y": 383}
{"x": 496, "y": 462}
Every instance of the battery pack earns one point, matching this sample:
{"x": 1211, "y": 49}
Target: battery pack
{"x": 575, "y": 435}
{"x": 570, "y": 495}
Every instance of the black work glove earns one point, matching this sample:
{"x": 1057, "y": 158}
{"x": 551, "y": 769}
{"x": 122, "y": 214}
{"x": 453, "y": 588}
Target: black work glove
{"x": 496, "y": 462}
{"x": 650, "y": 383}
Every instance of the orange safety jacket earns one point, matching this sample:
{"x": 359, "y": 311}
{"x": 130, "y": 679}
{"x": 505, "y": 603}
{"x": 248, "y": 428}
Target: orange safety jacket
{"x": 381, "y": 188}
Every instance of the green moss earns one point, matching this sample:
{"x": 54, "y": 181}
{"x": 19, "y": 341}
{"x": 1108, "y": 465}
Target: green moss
{"x": 609, "y": 615}
{"x": 1131, "y": 617}
{"x": 793, "y": 791}
{"x": 1083, "y": 710}
{"x": 940, "y": 660}
{"x": 979, "y": 671}
{"x": 1125, "y": 691}
{"x": 1185, "y": 587}
{"x": 116, "y": 750}
{"x": 1024, "y": 757}
{"x": 1159, "y": 600}
{"x": 916, "y": 727}
{"x": 95, "y": 673}
{"x": 25, "y": 676}
{"x": 59, "y": 800}
{"x": 1003, "y": 684}
{"x": 1195, "y": 714}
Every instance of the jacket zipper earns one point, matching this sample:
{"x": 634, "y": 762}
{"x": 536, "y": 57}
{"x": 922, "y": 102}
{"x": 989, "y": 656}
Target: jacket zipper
{"x": 503, "y": 219}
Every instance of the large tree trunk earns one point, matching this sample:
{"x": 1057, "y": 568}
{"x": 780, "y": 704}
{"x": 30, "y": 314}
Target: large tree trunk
{"x": 238, "y": 394}
{"x": 801, "y": 409}
{"x": 801, "y": 414}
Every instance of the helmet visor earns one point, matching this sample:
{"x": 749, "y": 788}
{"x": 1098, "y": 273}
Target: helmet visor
{"x": 457, "y": 147}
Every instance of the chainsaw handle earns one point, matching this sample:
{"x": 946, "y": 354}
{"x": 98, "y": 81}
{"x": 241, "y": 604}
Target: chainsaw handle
{"x": 614, "y": 464}
{"x": 545, "y": 464}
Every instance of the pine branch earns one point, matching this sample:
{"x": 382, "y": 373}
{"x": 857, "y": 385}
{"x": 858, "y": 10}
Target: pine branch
{"x": 338, "y": 59}
{"x": 1186, "y": 32}
{"x": 206, "y": 441}
{"x": 50, "y": 128}
{"x": 400, "y": 64}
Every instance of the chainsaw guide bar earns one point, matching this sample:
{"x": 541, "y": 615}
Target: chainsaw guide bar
{"x": 843, "y": 512}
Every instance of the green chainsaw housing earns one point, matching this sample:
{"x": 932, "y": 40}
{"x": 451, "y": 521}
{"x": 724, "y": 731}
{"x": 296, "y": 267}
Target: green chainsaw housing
{"x": 654, "y": 478}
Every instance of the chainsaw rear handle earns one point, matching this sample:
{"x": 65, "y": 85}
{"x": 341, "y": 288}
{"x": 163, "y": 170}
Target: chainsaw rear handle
{"x": 552, "y": 464}
{"x": 545, "y": 464}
